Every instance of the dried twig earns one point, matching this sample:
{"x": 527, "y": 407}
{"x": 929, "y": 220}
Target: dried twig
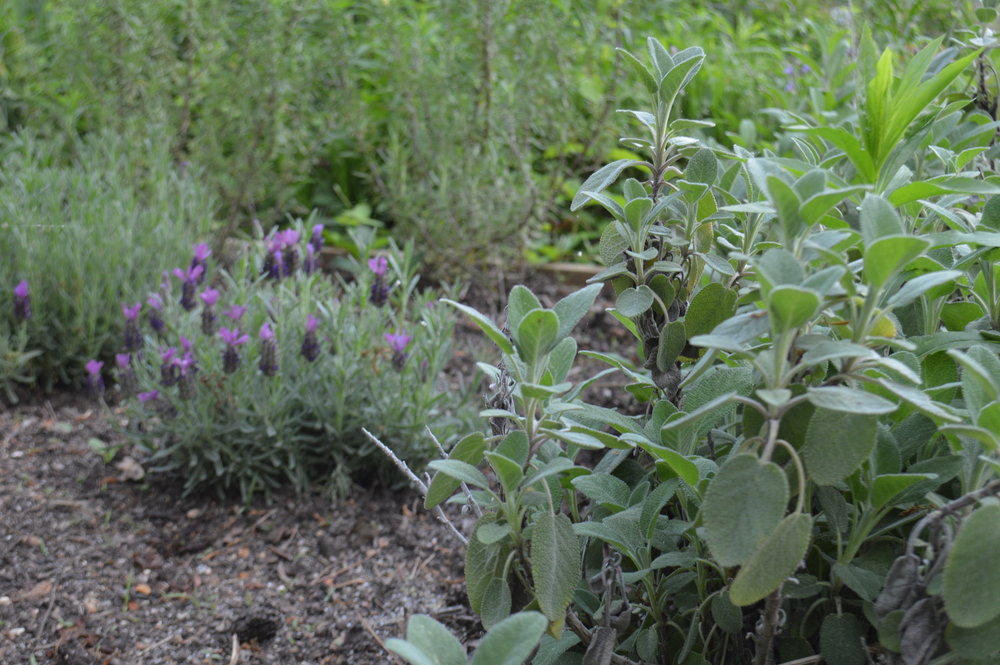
{"x": 951, "y": 508}
{"x": 234, "y": 654}
{"x": 416, "y": 481}
{"x": 371, "y": 631}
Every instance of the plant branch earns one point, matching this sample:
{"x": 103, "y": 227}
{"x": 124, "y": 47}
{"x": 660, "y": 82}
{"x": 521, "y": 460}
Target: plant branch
{"x": 416, "y": 481}
{"x": 767, "y": 632}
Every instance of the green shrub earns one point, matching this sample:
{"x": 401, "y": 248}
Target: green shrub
{"x": 276, "y": 391}
{"x": 817, "y": 464}
{"x": 84, "y": 236}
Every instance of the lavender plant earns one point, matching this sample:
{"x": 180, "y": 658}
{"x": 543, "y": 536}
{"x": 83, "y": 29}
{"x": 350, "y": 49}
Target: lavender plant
{"x": 60, "y": 225}
{"x": 262, "y": 375}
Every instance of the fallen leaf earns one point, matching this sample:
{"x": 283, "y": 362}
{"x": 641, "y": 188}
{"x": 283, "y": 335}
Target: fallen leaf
{"x": 40, "y": 590}
{"x": 133, "y": 605}
{"x": 243, "y": 552}
{"x": 131, "y": 470}
{"x": 143, "y": 589}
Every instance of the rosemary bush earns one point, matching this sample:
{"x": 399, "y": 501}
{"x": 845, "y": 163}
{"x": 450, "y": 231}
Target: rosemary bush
{"x": 262, "y": 375}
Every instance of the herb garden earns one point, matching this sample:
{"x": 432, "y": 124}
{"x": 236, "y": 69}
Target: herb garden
{"x": 289, "y": 373}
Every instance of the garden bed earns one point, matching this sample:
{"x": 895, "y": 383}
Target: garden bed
{"x": 97, "y": 566}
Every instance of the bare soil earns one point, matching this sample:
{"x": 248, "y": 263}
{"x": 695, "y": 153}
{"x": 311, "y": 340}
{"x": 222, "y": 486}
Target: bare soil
{"x": 101, "y": 567}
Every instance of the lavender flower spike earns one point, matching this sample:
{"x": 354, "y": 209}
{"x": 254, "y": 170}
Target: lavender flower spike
{"x": 235, "y": 312}
{"x": 132, "y": 340}
{"x": 268, "y": 351}
{"x": 378, "y": 265}
{"x": 126, "y": 375}
{"x": 310, "y": 345}
{"x": 22, "y": 301}
{"x": 94, "y": 381}
{"x": 201, "y": 252}
{"x": 209, "y": 322}
{"x": 155, "y": 303}
{"x": 231, "y": 356}
{"x": 398, "y": 343}
{"x": 316, "y": 239}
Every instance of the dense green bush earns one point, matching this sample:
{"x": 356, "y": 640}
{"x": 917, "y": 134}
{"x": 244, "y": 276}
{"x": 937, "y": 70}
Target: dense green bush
{"x": 435, "y": 114}
{"x": 816, "y": 473}
{"x": 263, "y": 375}
{"x": 82, "y": 222}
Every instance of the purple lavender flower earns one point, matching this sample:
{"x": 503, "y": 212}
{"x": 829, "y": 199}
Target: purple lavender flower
{"x": 151, "y": 396}
{"x": 22, "y": 301}
{"x": 316, "y": 239}
{"x": 209, "y": 322}
{"x": 185, "y": 384}
{"x": 268, "y": 351}
{"x": 805, "y": 69}
{"x": 311, "y": 263}
{"x": 156, "y": 322}
{"x": 379, "y": 293}
{"x": 190, "y": 279}
{"x": 132, "y": 340}
{"x": 126, "y": 375}
{"x": 231, "y": 356}
{"x": 201, "y": 252}
{"x": 789, "y": 70}
{"x": 398, "y": 343}
{"x": 170, "y": 370}
{"x": 310, "y": 345}
{"x": 378, "y": 265}
{"x": 94, "y": 381}
{"x": 235, "y": 312}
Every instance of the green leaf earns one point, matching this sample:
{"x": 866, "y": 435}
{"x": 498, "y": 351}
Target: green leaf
{"x": 787, "y": 203}
{"x": 779, "y": 266}
{"x": 483, "y": 562}
{"x": 496, "y": 602}
{"x": 508, "y": 471}
{"x": 640, "y": 70}
{"x": 511, "y": 641}
{"x": 574, "y": 307}
{"x": 605, "y": 489}
{"x": 849, "y": 400}
{"x": 435, "y": 640}
{"x": 836, "y": 350}
{"x": 728, "y": 617}
{"x": 863, "y": 582}
{"x": 918, "y": 286}
{"x": 461, "y": 471}
{"x": 887, "y": 487}
{"x": 841, "y": 640}
{"x": 980, "y": 644}
{"x": 600, "y": 180}
{"x": 837, "y": 443}
{"x": 775, "y": 560}
{"x": 520, "y": 301}
{"x": 888, "y": 255}
{"x": 791, "y": 307}
{"x": 849, "y": 143}
{"x": 634, "y": 301}
{"x": 469, "y": 450}
{"x": 492, "y": 533}
{"x": 555, "y": 563}
{"x": 409, "y": 653}
{"x": 537, "y": 334}
{"x": 684, "y": 468}
{"x": 709, "y": 307}
{"x": 878, "y": 219}
{"x": 703, "y": 167}
{"x": 674, "y": 80}
{"x": 486, "y": 325}
{"x": 970, "y": 593}
{"x": 672, "y": 341}
{"x": 743, "y": 504}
